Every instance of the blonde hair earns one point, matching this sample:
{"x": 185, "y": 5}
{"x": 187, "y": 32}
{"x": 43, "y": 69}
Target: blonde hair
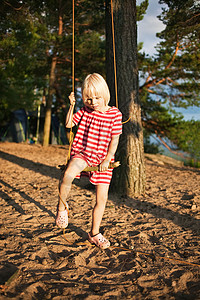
{"x": 95, "y": 85}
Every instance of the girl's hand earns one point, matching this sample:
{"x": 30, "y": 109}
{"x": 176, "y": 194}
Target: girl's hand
{"x": 72, "y": 99}
{"x": 104, "y": 166}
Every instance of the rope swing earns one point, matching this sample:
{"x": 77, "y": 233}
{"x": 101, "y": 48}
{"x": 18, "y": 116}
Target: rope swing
{"x": 71, "y": 135}
{"x": 113, "y": 165}
{"x": 114, "y": 56}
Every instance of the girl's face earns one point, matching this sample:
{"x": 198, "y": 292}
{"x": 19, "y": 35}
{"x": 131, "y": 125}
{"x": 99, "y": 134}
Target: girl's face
{"x": 96, "y": 103}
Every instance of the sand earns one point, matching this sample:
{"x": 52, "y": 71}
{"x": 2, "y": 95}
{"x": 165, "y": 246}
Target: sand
{"x": 155, "y": 251}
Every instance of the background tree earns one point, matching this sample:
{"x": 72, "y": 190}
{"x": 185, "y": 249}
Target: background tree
{"x": 31, "y": 42}
{"x": 170, "y": 79}
{"x": 36, "y": 52}
{"x": 130, "y": 180}
{"x": 20, "y": 68}
{"x": 185, "y": 136}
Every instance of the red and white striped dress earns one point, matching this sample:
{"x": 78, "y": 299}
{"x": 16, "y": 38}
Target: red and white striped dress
{"x": 93, "y": 138}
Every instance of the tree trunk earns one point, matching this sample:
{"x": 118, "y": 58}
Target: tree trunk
{"x": 47, "y": 123}
{"x": 129, "y": 178}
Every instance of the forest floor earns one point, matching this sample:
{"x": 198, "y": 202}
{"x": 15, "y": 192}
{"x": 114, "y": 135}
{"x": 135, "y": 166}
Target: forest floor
{"x": 154, "y": 251}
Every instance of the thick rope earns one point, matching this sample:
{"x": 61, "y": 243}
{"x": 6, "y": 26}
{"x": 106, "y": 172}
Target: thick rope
{"x": 64, "y": 203}
{"x": 71, "y": 134}
{"x": 73, "y": 49}
{"x": 114, "y": 56}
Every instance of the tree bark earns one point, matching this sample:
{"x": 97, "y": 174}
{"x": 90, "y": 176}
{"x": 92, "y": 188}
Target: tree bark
{"x": 129, "y": 178}
{"x": 47, "y": 123}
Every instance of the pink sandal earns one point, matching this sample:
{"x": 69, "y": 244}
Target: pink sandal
{"x": 99, "y": 240}
{"x": 62, "y": 218}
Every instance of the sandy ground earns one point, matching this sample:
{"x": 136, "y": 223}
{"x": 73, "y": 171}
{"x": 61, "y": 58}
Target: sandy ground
{"x": 161, "y": 229}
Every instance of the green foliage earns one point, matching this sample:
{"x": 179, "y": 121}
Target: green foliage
{"x": 170, "y": 79}
{"x": 176, "y": 65}
{"x": 192, "y": 163}
{"x": 31, "y": 38}
{"x": 20, "y": 68}
{"x": 91, "y": 46}
{"x": 185, "y": 135}
{"x": 141, "y": 10}
{"x": 149, "y": 147}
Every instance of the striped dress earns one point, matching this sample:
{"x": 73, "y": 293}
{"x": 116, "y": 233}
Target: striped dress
{"x": 93, "y": 138}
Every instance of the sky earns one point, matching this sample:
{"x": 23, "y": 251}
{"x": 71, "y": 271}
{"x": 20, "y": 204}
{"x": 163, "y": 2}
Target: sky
{"x": 149, "y": 26}
{"x": 147, "y": 29}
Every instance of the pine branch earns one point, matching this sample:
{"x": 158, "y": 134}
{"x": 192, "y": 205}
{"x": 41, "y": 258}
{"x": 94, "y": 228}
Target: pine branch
{"x": 169, "y": 148}
{"x": 195, "y": 16}
{"x": 174, "y": 56}
{"x": 15, "y": 8}
{"x": 154, "y": 82}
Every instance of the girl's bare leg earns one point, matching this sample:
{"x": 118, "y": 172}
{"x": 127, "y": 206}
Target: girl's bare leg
{"x": 76, "y": 165}
{"x": 97, "y": 214}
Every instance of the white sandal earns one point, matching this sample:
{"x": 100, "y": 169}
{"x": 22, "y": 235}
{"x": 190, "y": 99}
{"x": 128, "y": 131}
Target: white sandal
{"x": 99, "y": 240}
{"x": 62, "y": 218}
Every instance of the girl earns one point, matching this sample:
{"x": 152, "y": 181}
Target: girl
{"x": 95, "y": 144}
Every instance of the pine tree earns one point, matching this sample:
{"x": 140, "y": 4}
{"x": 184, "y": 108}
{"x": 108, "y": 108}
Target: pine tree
{"x": 130, "y": 179}
{"x": 171, "y": 77}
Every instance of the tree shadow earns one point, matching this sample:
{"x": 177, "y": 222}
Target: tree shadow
{"x": 185, "y": 221}
{"x": 16, "y": 206}
{"x": 11, "y": 201}
{"x": 43, "y": 169}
